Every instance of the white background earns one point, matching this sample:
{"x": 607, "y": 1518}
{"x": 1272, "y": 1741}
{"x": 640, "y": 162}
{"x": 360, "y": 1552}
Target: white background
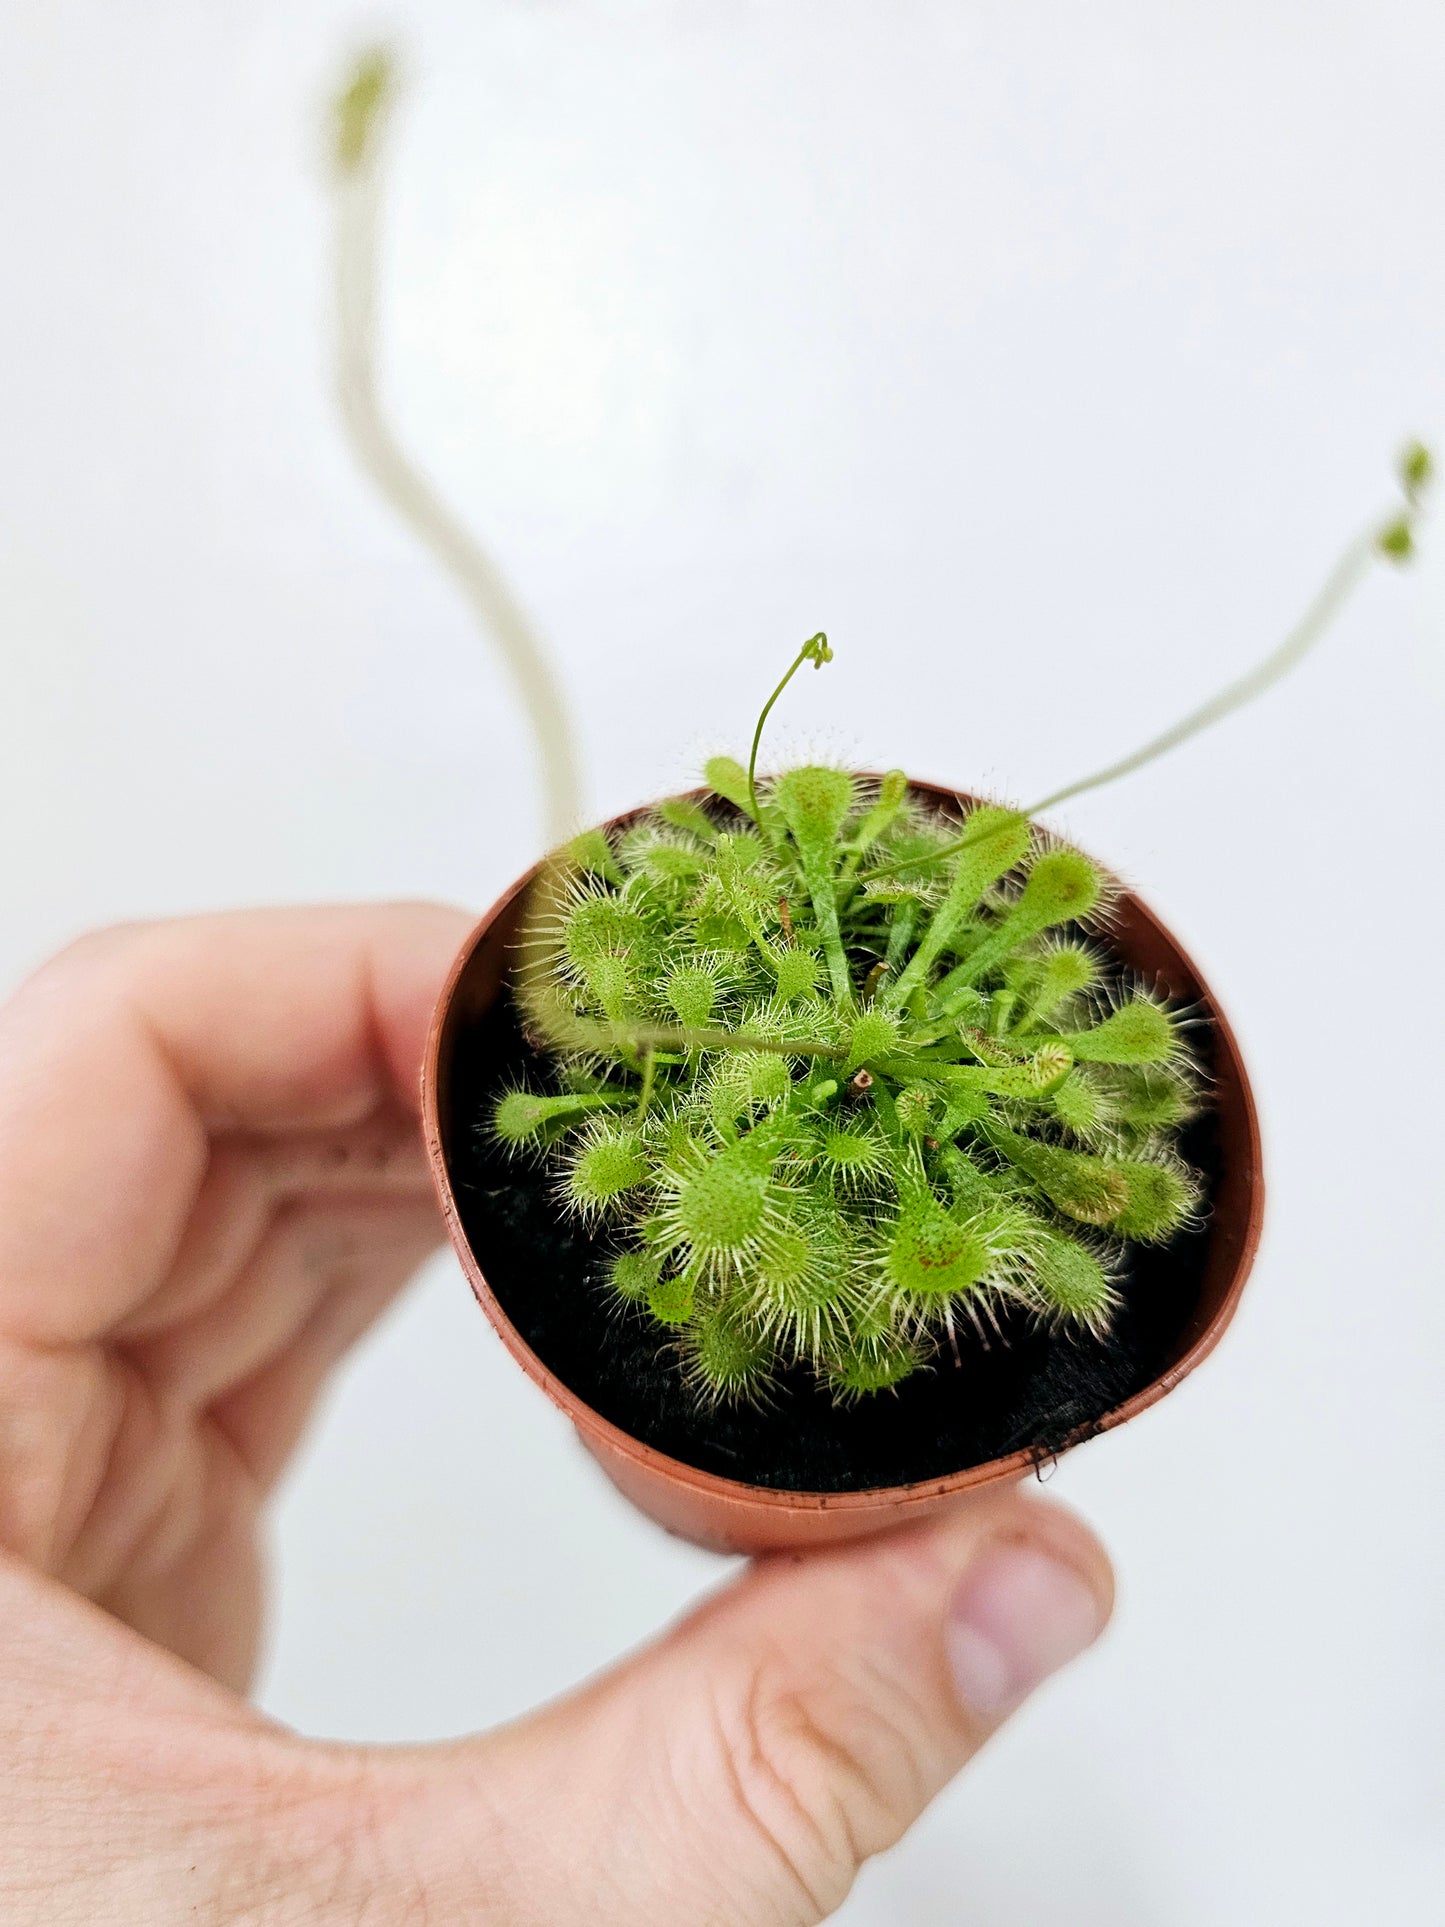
{"x": 1044, "y": 354}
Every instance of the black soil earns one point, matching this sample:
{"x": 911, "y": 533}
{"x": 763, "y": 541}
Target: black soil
{"x": 1029, "y": 1389}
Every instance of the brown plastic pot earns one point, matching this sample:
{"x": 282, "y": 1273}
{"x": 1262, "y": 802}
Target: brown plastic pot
{"x": 730, "y": 1516}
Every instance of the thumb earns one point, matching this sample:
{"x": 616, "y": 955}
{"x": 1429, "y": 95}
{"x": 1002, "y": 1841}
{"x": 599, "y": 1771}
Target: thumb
{"x": 741, "y": 1769}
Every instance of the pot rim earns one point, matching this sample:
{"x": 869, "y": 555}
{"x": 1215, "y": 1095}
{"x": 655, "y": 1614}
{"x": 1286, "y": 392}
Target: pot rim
{"x": 594, "y": 1427}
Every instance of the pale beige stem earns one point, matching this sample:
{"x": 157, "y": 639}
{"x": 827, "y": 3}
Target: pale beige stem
{"x": 1347, "y": 573}
{"x": 417, "y": 502}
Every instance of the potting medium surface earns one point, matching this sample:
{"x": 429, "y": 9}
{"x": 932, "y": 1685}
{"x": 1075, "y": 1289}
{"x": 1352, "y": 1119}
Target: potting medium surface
{"x": 1029, "y": 1387}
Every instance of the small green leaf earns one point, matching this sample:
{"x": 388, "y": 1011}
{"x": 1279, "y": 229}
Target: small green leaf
{"x": 931, "y": 1255}
{"x": 814, "y": 802}
{"x": 1160, "y": 1199}
{"x": 670, "y": 1300}
{"x": 722, "y": 1206}
{"x": 871, "y": 1366}
{"x": 633, "y": 1274}
{"x": 1138, "y": 1033}
{"x": 691, "y": 992}
{"x": 874, "y": 1035}
{"x": 521, "y": 1118}
{"x": 729, "y": 780}
{"x": 797, "y": 974}
{"x": 605, "y": 1166}
{"x": 685, "y": 813}
{"x": 593, "y": 852}
{"x": 1073, "y": 1281}
{"x": 727, "y": 1357}
{"x": 995, "y": 840}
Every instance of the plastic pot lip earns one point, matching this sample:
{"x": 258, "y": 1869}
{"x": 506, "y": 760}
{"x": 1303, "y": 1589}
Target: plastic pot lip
{"x": 612, "y": 1441}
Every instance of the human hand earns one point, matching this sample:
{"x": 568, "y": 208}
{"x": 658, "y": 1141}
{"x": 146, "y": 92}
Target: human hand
{"x": 211, "y": 1180}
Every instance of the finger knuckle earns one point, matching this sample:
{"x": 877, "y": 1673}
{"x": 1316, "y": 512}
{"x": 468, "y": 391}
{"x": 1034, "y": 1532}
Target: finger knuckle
{"x": 93, "y": 950}
{"x": 829, "y": 1768}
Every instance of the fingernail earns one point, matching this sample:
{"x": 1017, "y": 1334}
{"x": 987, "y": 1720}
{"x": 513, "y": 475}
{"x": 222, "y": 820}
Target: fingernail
{"x": 1018, "y": 1615}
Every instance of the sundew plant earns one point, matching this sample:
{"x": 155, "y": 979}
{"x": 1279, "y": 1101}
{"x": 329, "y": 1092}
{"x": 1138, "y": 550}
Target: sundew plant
{"x": 841, "y": 1074}
{"x": 842, "y": 1077}
{"x": 836, "y": 1076}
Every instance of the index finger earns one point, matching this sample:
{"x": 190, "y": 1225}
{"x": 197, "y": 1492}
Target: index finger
{"x": 121, "y": 1058}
